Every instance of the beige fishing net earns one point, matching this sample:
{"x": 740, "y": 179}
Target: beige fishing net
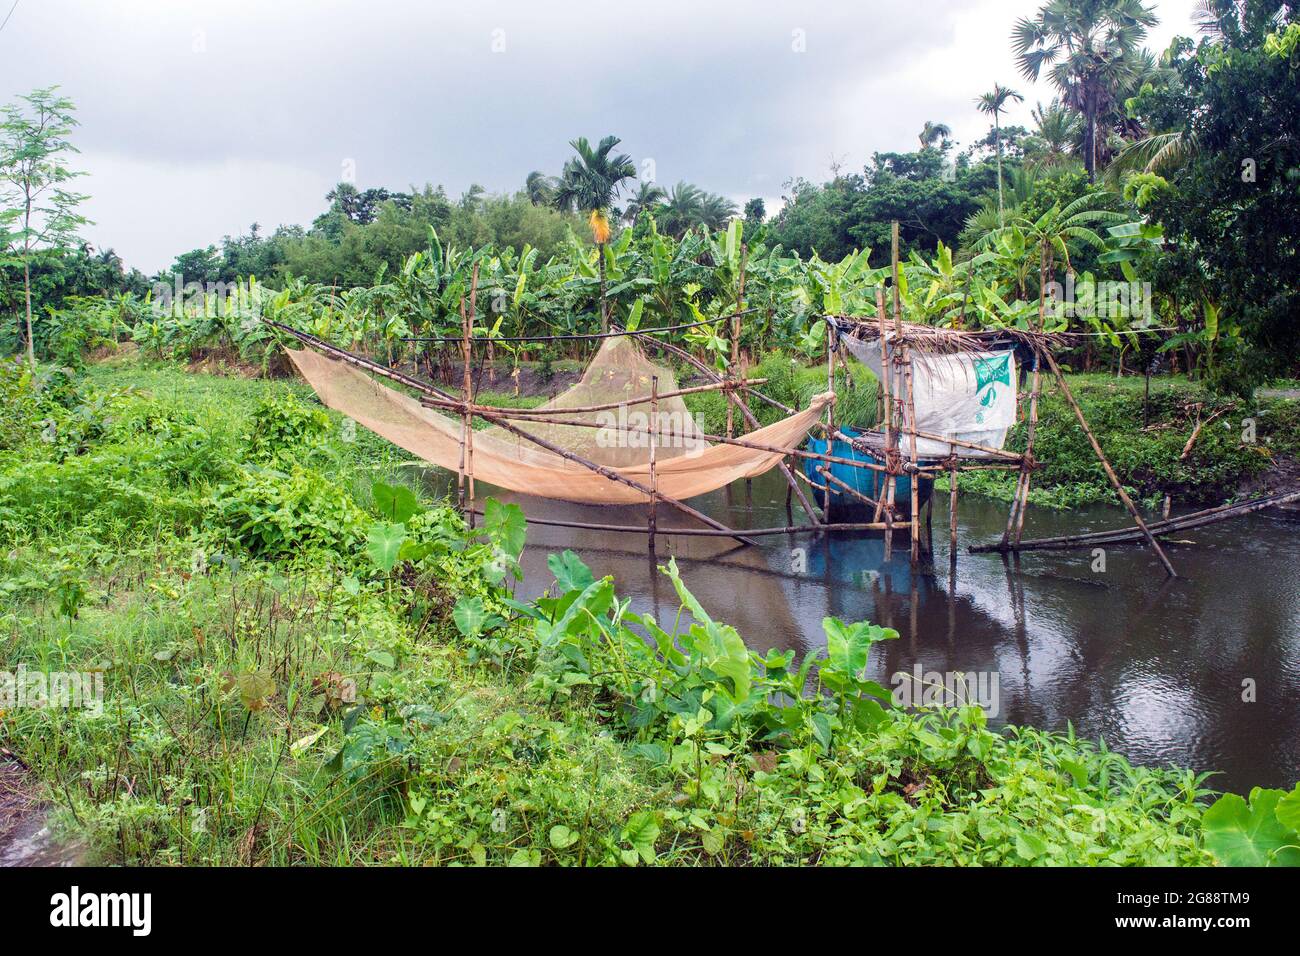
{"x": 620, "y": 374}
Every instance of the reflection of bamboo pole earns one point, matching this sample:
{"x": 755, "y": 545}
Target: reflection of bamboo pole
{"x": 654, "y": 441}
{"x": 952, "y": 514}
{"x": 1105, "y": 464}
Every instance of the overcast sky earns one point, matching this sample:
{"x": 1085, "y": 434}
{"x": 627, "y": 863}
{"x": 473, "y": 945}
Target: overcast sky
{"x": 199, "y": 118}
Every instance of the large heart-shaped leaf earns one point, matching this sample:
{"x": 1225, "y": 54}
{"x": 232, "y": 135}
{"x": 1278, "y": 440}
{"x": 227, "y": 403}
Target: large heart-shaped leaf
{"x": 1241, "y": 834}
{"x": 384, "y": 544}
{"x": 506, "y": 525}
{"x": 570, "y": 572}
{"x": 394, "y": 502}
{"x": 1288, "y": 809}
{"x": 469, "y": 616}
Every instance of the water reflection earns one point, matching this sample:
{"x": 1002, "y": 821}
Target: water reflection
{"x": 1155, "y": 667}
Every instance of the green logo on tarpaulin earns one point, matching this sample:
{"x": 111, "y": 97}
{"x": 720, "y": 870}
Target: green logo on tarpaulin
{"x": 988, "y": 374}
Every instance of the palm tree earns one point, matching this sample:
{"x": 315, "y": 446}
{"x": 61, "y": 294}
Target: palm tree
{"x": 648, "y": 195}
{"x": 993, "y": 103}
{"x": 716, "y": 211}
{"x": 1092, "y": 48}
{"x": 590, "y": 182}
{"x": 540, "y": 188}
{"x": 682, "y": 209}
{"x": 933, "y": 134}
{"x": 1054, "y": 139}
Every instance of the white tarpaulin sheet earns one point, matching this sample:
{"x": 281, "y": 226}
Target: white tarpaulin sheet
{"x": 970, "y": 396}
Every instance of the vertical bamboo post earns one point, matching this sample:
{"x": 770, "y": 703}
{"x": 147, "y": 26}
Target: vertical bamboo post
{"x": 1105, "y": 464}
{"x": 893, "y": 259}
{"x": 887, "y": 409}
{"x": 464, "y": 423}
{"x": 654, "y": 442}
{"x": 915, "y": 480}
{"x": 830, "y": 410}
{"x": 735, "y": 339}
{"x": 1026, "y": 463}
{"x": 468, "y": 421}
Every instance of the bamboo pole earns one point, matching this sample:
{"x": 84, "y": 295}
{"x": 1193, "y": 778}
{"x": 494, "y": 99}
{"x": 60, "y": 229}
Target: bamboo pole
{"x": 543, "y": 413}
{"x": 1105, "y": 464}
{"x": 707, "y": 532}
{"x": 469, "y": 390}
{"x": 831, "y": 479}
{"x": 915, "y": 495}
{"x": 464, "y": 420}
{"x": 735, "y": 336}
{"x": 1186, "y": 522}
{"x": 654, "y": 441}
{"x": 1026, "y": 463}
{"x": 830, "y": 406}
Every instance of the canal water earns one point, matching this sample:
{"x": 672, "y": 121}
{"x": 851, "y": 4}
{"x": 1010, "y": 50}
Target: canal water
{"x": 1202, "y": 671}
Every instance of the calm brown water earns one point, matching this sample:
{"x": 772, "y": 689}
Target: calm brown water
{"x": 1153, "y": 667}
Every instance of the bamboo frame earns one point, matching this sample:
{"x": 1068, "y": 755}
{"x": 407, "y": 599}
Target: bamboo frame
{"x": 750, "y": 419}
{"x": 654, "y": 442}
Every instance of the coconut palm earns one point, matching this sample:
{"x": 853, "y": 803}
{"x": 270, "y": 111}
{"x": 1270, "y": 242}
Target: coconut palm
{"x": 716, "y": 211}
{"x": 994, "y": 102}
{"x": 1091, "y": 47}
{"x": 590, "y": 182}
{"x": 1058, "y": 128}
{"x": 934, "y": 134}
{"x": 682, "y": 209}
{"x": 648, "y": 196}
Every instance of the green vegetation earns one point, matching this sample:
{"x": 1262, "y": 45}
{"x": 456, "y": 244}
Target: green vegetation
{"x": 305, "y": 662}
{"x": 306, "y": 659}
{"x": 1145, "y": 437}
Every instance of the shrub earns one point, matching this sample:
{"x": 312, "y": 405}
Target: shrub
{"x": 274, "y": 513}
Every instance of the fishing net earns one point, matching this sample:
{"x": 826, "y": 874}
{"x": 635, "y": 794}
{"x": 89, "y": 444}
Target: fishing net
{"x": 685, "y": 464}
{"x": 619, "y": 375}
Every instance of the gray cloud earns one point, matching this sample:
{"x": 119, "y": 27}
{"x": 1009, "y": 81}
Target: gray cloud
{"x": 199, "y": 118}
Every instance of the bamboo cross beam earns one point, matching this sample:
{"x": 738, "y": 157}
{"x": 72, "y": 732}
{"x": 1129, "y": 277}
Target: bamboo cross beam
{"x": 495, "y": 414}
{"x": 845, "y": 486}
{"x": 1105, "y": 464}
{"x": 707, "y": 532}
{"x": 541, "y": 413}
{"x": 712, "y": 373}
{"x": 383, "y": 371}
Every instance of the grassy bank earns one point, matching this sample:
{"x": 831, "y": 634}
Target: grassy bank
{"x": 304, "y": 662}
